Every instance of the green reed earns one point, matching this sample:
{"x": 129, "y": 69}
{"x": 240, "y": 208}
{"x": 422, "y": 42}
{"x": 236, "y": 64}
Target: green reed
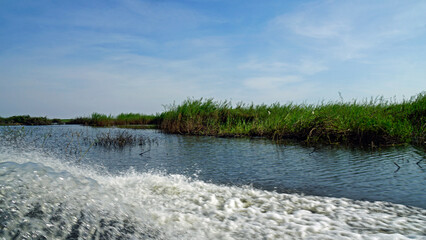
{"x": 375, "y": 121}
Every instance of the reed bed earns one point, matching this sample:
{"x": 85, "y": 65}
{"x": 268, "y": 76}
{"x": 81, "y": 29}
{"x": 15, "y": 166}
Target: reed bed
{"x": 373, "y": 122}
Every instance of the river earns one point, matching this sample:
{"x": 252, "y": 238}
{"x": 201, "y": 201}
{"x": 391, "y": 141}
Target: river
{"x": 56, "y": 184}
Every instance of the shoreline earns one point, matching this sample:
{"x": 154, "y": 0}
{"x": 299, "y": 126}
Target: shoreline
{"x": 370, "y": 123}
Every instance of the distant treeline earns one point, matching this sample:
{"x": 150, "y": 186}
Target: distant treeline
{"x": 27, "y": 120}
{"x": 373, "y": 122}
{"x": 102, "y": 120}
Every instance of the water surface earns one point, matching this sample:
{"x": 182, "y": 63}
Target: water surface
{"x": 54, "y": 184}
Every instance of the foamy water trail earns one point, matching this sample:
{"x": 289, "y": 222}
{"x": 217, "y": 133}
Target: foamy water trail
{"x": 43, "y": 197}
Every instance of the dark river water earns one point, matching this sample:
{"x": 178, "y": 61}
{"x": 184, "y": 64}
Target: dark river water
{"x": 207, "y": 187}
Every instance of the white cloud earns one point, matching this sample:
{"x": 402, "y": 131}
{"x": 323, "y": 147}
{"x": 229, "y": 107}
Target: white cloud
{"x": 308, "y": 67}
{"x": 270, "y": 67}
{"x": 302, "y": 24}
{"x": 121, "y": 82}
{"x": 265, "y": 83}
{"x": 351, "y": 30}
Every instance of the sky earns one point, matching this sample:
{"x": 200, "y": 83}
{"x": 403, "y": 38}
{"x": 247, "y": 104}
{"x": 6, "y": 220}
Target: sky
{"x": 65, "y": 59}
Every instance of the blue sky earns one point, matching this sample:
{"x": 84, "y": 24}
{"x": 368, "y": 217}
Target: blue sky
{"x": 71, "y": 58}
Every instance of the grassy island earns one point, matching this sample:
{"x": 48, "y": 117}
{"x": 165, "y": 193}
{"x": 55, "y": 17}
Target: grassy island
{"x": 374, "y": 122}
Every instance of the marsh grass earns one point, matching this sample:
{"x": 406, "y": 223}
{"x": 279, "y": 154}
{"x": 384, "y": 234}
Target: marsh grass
{"x": 370, "y": 122}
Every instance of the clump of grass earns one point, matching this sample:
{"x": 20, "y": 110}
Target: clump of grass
{"x": 121, "y": 139}
{"x": 373, "y": 122}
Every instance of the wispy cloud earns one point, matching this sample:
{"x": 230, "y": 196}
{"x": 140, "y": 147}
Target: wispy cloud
{"x": 349, "y": 30}
{"x": 267, "y": 83}
{"x": 301, "y": 67}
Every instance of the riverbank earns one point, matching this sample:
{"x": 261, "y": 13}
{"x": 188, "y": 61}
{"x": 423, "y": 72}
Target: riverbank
{"x": 376, "y": 122}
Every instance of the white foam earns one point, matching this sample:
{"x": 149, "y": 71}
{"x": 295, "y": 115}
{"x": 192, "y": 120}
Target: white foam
{"x": 186, "y": 208}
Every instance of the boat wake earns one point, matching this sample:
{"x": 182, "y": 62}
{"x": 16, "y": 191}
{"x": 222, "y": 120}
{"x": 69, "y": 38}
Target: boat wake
{"x": 43, "y": 197}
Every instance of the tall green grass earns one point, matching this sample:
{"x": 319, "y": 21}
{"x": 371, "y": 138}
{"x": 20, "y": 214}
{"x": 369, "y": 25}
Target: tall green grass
{"x": 374, "y": 122}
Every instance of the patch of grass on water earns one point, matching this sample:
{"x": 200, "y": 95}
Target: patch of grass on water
{"x": 121, "y": 139}
{"x": 373, "y": 122}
